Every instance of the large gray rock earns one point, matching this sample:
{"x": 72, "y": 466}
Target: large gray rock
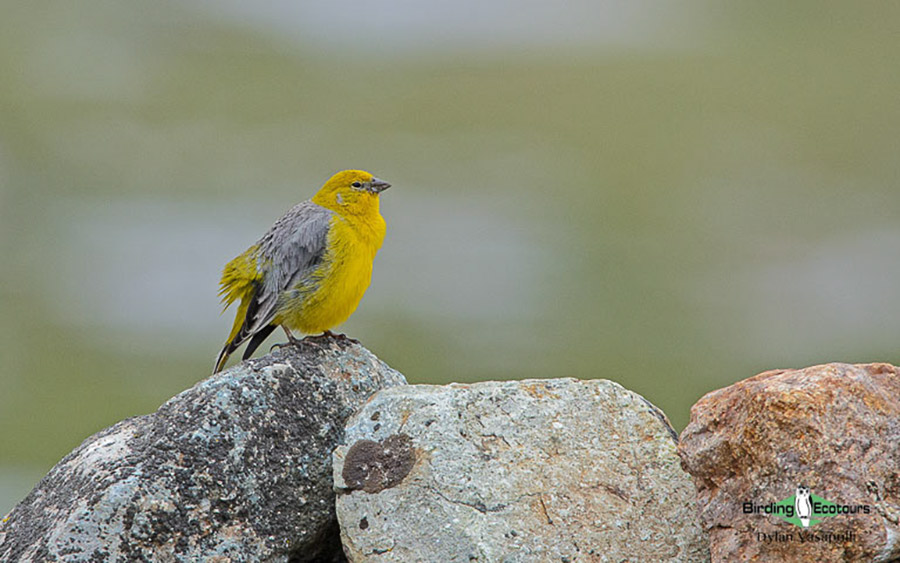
{"x": 542, "y": 470}
{"x": 834, "y": 429}
{"x": 237, "y": 468}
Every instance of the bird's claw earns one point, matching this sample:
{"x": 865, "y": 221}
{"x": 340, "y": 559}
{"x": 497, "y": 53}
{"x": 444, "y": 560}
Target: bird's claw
{"x": 330, "y": 335}
{"x": 294, "y": 341}
{"x": 341, "y": 336}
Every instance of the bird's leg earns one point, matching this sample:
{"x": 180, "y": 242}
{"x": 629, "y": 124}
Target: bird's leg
{"x": 293, "y": 340}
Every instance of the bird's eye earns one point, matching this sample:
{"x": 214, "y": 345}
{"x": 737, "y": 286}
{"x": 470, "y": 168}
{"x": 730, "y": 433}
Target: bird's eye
{"x": 356, "y": 185}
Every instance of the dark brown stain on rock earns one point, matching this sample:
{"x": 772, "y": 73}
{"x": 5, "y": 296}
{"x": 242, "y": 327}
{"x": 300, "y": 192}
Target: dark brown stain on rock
{"x": 375, "y": 466}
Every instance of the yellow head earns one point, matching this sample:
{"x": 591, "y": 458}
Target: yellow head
{"x": 351, "y": 192}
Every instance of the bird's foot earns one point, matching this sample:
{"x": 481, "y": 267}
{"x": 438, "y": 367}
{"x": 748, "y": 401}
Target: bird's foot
{"x": 326, "y": 335}
{"x": 313, "y": 339}
{"x": 341, "y": 336}
{"x": 292, "y": 341}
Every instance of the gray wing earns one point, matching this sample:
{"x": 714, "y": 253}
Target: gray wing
{"x": 291, "y": 250}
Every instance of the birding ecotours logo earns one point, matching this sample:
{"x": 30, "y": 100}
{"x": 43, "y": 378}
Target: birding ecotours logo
{"x": 804, "y": 509}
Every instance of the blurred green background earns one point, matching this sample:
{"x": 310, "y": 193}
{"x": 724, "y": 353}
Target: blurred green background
{"x": 671, "y": 196}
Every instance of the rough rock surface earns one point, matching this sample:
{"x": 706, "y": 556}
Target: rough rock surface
{"x": 834, "y": 428}
{"x": 543, "y": 470}
{"x": 237, "y": 468}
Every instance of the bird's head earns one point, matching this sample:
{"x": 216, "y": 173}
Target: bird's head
{"x": 351, "y": 191}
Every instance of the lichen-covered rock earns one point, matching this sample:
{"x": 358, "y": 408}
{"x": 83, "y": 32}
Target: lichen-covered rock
{"x": 833, "y": 430}
{"x": 542, "y": 470}
{"x": 237, "y": 468}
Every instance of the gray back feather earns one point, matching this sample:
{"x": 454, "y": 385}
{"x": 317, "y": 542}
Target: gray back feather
{"x": 290, "y": 251}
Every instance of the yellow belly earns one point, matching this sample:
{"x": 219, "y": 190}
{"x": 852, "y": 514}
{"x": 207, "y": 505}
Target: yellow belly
{"x": 342, "y": 280}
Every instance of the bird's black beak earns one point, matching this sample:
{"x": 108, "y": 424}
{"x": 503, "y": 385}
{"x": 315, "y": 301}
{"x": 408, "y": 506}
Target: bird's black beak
{"x": 377, "y": 186}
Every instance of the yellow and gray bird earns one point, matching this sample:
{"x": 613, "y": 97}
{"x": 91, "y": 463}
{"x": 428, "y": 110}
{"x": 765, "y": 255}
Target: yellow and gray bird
{"x": 310, "y": 270}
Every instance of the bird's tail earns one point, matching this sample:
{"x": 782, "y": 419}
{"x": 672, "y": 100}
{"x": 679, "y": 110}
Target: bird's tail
{"x": 257, "y": 339}
{"x": 240, "y": 280}
{"x": 805, "y": 522}
{"x": 234, "y": 339}
{"x": 232, "y": 345}
{"x": 223, "y": 357}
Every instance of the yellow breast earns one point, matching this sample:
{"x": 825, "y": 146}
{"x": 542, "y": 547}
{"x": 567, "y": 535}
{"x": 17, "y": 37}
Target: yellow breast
{"x": 343, "y": 277}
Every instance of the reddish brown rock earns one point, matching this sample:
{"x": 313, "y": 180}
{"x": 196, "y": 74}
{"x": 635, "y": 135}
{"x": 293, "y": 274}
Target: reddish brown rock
{"x": 834, "y": 428}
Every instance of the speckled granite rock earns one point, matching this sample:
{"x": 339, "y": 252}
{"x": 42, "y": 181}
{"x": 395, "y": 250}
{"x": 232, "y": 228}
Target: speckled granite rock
{"x": 833, "y": 428}
{"x": 237, "y": 468}
{"x": 543, "y": 470}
